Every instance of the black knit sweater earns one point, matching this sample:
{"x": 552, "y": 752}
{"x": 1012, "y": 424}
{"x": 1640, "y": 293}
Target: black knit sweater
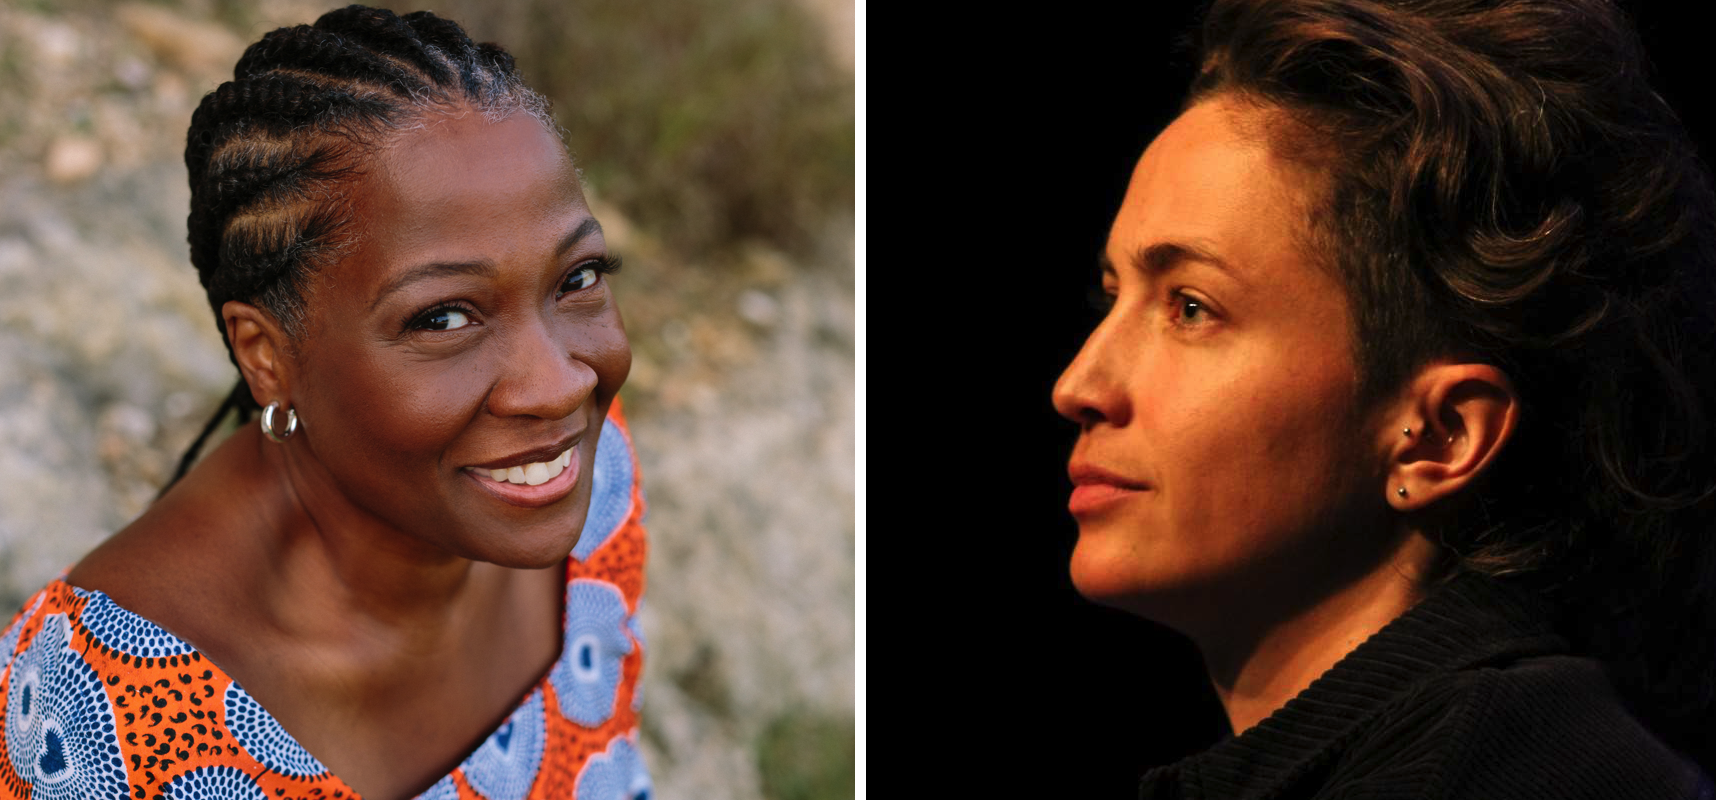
{"x": 1470, "y": 693}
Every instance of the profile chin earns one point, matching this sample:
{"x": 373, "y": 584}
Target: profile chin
{"x": 1109, "y": 578}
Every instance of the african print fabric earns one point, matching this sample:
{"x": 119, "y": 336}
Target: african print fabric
{"x": 100, "y": 702}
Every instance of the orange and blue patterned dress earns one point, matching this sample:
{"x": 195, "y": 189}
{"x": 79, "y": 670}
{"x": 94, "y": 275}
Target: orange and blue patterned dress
{"x": 102, "y": 703}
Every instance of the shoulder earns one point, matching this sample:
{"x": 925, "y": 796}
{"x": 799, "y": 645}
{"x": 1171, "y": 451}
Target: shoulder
{"x": 59, "y": 723}
{"x": 1544, "y": 727}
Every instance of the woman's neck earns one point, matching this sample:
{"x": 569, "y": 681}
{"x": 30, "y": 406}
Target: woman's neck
{"x": 323, "y": 545}
{"x": 1257, "y": 670}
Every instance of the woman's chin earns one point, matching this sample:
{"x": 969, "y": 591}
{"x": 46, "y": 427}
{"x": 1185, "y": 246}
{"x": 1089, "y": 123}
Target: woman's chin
{"x": 1107, "y": 578}
{"x": 1123, "y": 578}
{"x": 527, "y": 549}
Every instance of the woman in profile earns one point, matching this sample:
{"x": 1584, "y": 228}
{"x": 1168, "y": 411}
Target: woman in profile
{"x": 419, "y": 573}
{"x": 1402, "y": 407}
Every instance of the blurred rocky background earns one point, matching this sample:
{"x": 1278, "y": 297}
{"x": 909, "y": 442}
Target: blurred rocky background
{"x": 716, "y": 137}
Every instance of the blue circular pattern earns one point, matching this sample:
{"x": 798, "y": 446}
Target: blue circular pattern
{"x": 9, "y": 641}
{"x": 610, "y": 490}
{"x": 261, "y": 735}
{"x": 617, "y": 774}
{"x": 126, "y": 632}
{"x": 214, "y": 783}
{"x": 60, "y": 732}
{"x": 442, "y": 790}
{"x": 587, "y": 677}
{"x": 504, "y": 767}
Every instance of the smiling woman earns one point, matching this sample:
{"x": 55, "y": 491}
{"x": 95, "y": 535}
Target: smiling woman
{"x": 419, "y": 575}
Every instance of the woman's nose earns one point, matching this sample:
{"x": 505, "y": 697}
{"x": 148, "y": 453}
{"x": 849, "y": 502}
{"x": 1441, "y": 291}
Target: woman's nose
{"x": 541, "y": 377}
{"x": 1089, "y": 390}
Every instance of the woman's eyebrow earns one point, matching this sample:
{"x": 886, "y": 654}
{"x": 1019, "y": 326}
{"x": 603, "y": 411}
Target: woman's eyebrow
{"x": 1162, "y": 256}
{"x": 585, "y": 228}
{"x": 481, "y": 267}
{"x": 436, "y": 269}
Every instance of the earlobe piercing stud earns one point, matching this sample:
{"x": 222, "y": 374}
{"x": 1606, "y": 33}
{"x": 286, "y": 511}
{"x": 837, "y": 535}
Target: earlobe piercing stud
{"x": 1401, "y": 491}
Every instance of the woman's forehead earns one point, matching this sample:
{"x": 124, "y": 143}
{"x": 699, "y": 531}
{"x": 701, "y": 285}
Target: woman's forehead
{"x": 458, "y": 160}
{"x": 464, "y": 188}
{"x": 1208, "y": 178}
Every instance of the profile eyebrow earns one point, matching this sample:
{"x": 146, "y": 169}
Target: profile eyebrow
{"x": 482, "y": 267}
{"x": 1161, "y": 256}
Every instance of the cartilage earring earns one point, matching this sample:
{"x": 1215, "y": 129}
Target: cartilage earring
{"x": 1401, "y": 491}
{"x": 268, "y": 422}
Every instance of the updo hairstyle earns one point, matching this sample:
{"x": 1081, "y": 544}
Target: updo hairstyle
{"x": 1502, "y": 185}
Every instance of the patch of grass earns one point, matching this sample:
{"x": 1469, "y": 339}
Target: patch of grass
{"x": 808, "y": 755}
{"x": 709, "y": 122}
{"x": 704, "y": 680}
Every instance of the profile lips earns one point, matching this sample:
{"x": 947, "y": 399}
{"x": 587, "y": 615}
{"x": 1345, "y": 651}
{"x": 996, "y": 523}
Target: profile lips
{"x": 1083, "y": 474}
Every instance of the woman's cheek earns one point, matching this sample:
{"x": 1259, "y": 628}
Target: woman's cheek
{"x": 615, "y": 366}
{"x": 602, "y": 344}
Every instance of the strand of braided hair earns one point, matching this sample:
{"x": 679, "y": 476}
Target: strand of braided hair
{"x": 268, "y": 151}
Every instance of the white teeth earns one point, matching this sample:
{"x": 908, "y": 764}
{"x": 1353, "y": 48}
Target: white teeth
{"x": 534, "y": 474}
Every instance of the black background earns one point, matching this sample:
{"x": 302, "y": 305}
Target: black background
{"x": 1006, "y": 145}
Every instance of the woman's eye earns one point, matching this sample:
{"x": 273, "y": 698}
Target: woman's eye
{"x": 582, "y": 278}
{"x": 1190, "y": 309}
{"x": 444, "y": 319}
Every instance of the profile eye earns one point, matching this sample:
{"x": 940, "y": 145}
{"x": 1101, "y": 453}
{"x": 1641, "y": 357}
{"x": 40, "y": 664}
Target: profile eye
{"x": 1189, "y": 312}
{"x": 445, "y": 319}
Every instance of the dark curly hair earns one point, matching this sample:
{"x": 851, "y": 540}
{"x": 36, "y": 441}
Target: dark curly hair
{"x": 1504, "y": 186}
{"x": 269, "y": 150}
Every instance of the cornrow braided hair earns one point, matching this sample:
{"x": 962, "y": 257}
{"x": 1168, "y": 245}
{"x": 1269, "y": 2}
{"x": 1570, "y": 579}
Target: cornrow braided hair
{"x": 269, "y": 150}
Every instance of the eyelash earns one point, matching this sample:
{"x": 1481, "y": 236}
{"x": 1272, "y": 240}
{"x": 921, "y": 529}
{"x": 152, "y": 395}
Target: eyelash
{"x": 606, "y": 265}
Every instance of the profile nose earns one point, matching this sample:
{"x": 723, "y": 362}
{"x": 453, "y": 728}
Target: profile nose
{"x": 1089, "y": 390}
{"x": 540, "y": 378}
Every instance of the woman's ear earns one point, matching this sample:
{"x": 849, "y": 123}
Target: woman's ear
{"x": 1460, "y": 416}
{"x": 260, "y": 346}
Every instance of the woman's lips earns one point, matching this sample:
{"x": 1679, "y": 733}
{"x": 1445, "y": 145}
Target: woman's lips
{"x": 524, "y": 494}
{"x": 1089, "y": 498}
{"x": 1096, "y": 488}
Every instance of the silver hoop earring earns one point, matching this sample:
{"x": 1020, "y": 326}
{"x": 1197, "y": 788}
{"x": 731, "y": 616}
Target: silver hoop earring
{"x": 268, "y": 422}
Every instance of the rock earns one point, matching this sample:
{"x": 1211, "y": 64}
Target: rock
{"x": 132, "y": 73}
{"x": 58, "y": 45}
{"x": 72, "y": 158}
{"x": 191, "y": 45}
{"x": 759, "y": 309}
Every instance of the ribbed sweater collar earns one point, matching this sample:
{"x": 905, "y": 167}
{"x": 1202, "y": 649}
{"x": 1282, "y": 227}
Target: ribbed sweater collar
{"x": 1466, "y": 622}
